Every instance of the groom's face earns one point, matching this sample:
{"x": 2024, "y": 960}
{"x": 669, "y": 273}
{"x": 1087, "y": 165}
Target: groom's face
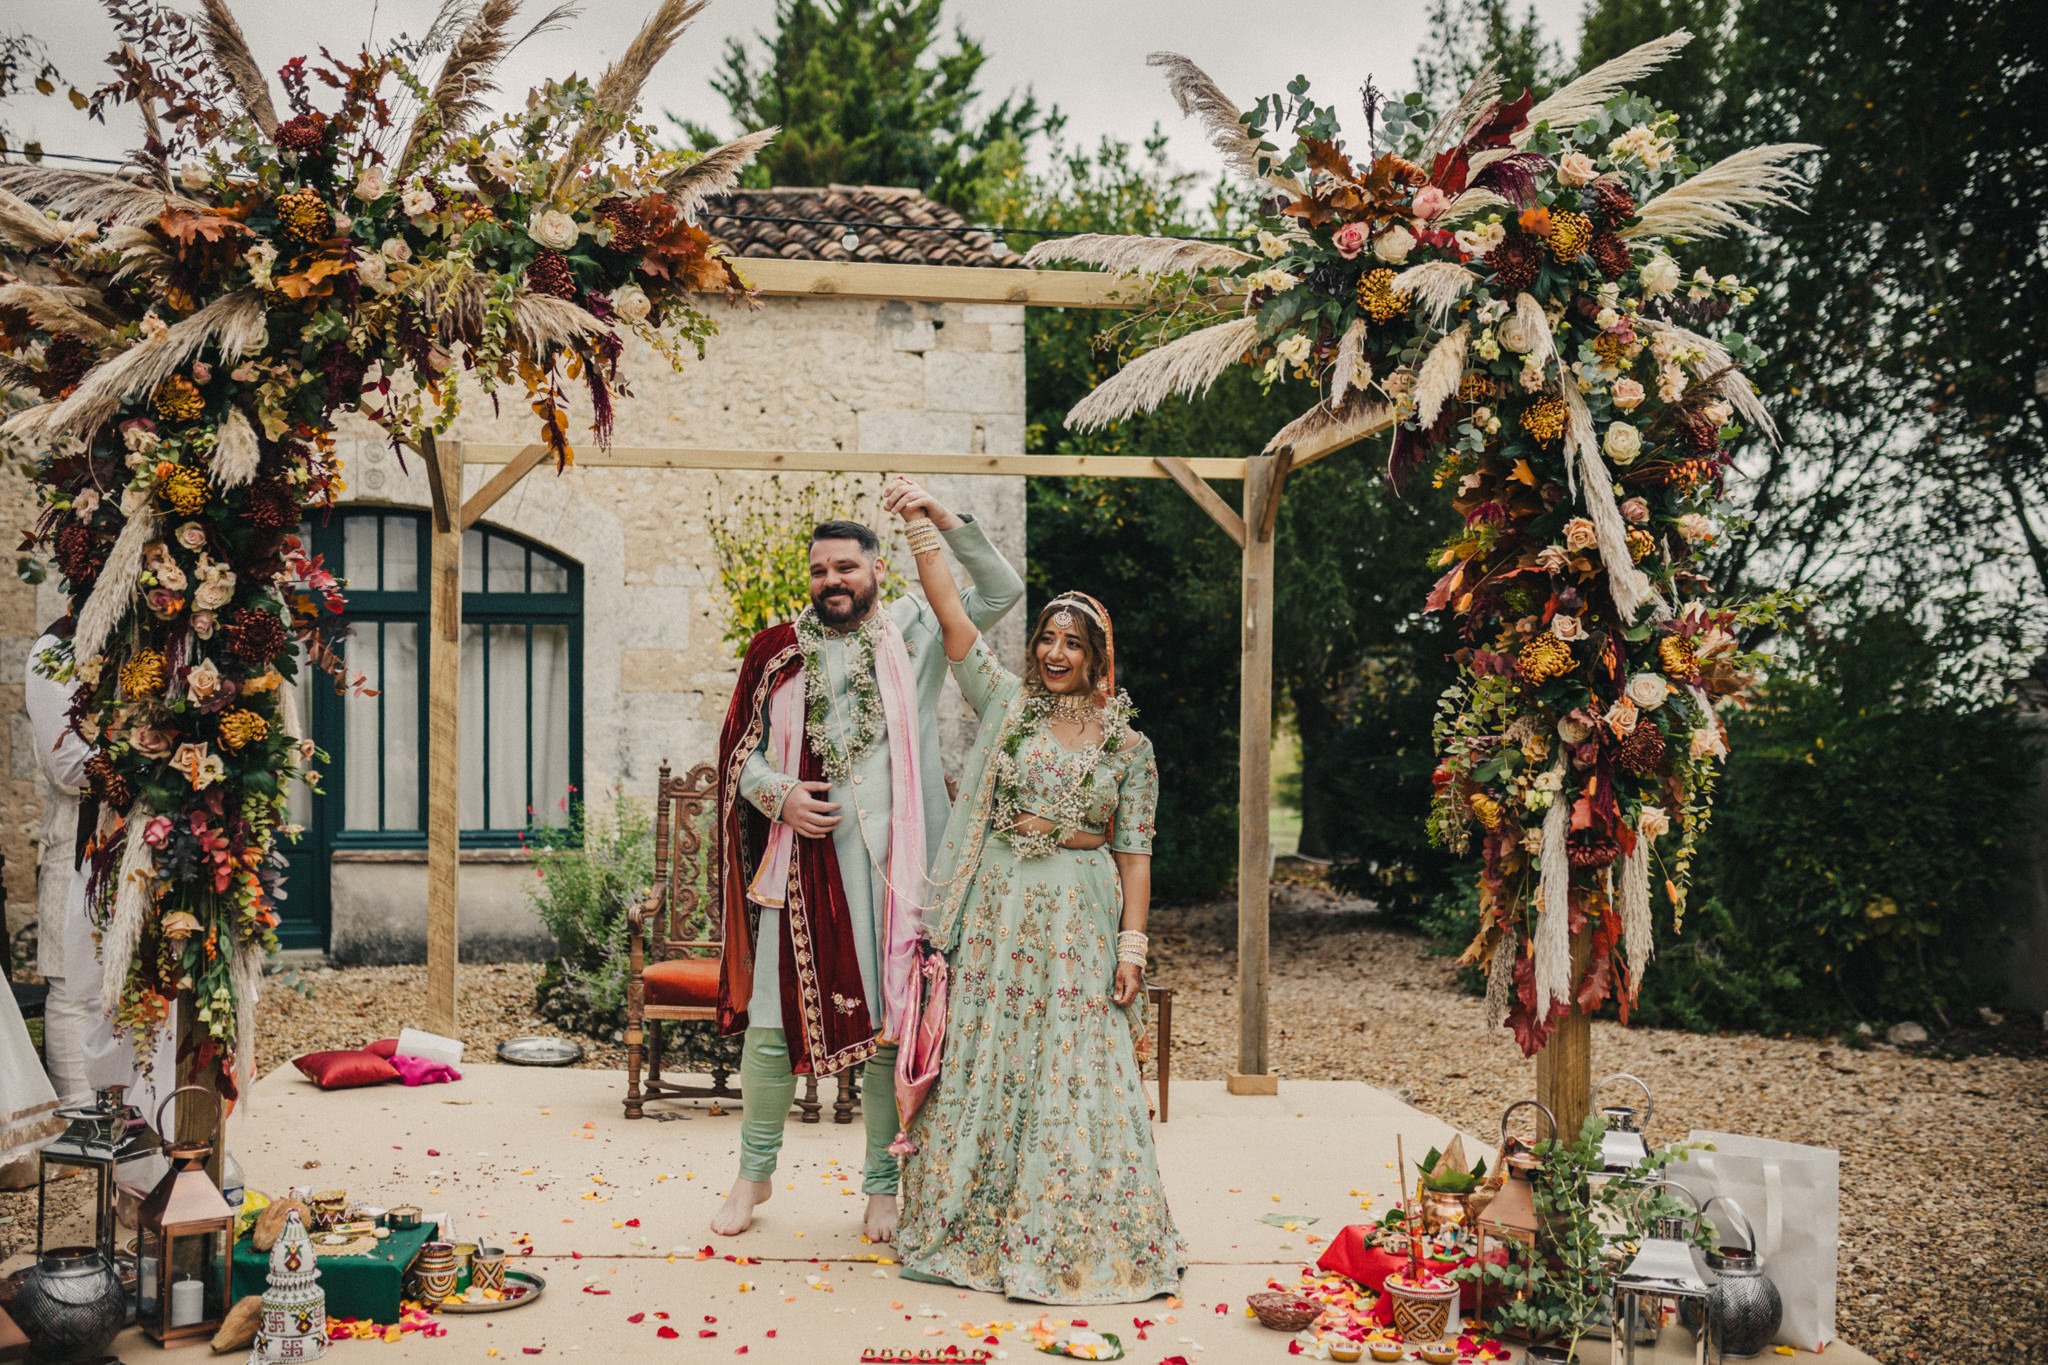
{"x": 842, "y": 582}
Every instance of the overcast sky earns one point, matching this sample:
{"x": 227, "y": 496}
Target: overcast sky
{"x": 1086, "y": 56}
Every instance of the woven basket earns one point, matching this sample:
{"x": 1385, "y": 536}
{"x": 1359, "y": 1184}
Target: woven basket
{"x": 1284, "y": 1312}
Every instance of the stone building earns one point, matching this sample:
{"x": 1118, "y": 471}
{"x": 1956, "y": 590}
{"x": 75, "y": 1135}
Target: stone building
{"x": 593, "y": 620}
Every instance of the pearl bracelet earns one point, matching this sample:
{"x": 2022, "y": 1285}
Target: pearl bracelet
{"x": 1131, "y": 947}
{"x": 924, "y": 538}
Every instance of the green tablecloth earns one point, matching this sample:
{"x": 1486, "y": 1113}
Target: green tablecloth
{"x": 367, "y": 1286}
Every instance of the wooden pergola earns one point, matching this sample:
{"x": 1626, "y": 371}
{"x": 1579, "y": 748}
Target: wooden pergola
{"x": 1563, "y": 1069}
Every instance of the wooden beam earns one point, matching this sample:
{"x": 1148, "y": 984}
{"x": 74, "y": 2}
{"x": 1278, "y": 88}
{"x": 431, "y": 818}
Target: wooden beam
{"x": 778, "y": 278}
{"x": 1206, "y": 498}
{"x": 440, "y": 492}
{"x": 1564, "y": 1068}
{"x": 444, "y": 687}
{"x": 1254, "y": 1074}
{"x": 867, "y": 462}
{"x": 1308, "y": 452}
{"x": 502, "y": 482}
{"x": 1283, "y": 464}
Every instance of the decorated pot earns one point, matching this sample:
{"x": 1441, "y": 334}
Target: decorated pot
{"x": 1427, "y": 1311}
{"x": 329, "y": 1208}
{"x": 487, "y": 1269}
{"x": 433, "y": 1272}
{"x": 1745, "y": 1304}
{"x": 1442, "y": 1209}
{"x": 70, "y": 1305}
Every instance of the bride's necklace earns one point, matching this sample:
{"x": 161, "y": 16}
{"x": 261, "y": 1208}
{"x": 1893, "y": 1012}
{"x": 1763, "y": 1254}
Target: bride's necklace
{"x": 1079, "y": 710}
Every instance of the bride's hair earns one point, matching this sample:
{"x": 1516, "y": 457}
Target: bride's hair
{"x": 1091, "y": 631}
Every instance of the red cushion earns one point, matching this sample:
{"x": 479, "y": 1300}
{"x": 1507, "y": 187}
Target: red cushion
{"x": 344, "y": 1070}
{"x": 383, "y": 1047}
{"x": 682, "y": 981}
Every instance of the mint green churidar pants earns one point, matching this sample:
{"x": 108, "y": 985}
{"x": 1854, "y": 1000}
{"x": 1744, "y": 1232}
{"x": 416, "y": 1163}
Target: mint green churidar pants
{"x": 768, "y": 1089}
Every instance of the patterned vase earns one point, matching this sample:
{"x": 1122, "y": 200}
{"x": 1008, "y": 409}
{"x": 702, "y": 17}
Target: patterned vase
{"x": 294, "y": 1322}
{"x": 433, "y": 1272}
{"x": 70, "y": 1306}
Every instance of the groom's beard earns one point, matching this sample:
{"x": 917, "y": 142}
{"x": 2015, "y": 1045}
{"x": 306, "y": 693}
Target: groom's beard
{"x": 843, "y": 607}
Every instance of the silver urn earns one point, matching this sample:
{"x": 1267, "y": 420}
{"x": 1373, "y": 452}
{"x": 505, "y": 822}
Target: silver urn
{"x": 70, "y": 1306}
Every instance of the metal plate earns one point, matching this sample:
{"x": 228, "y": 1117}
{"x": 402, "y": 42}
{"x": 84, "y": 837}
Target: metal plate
{"x": 534, "y": 1285}
{"x": 539, "y": 1051}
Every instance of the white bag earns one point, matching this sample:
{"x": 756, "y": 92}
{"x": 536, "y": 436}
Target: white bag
{"x": 1792, "y": 1194}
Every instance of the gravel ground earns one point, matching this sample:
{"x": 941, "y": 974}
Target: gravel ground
{"x": 1353, "y": 1001}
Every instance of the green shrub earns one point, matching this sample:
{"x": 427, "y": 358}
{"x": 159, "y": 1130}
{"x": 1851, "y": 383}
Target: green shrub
{"x": 592, "y": 872}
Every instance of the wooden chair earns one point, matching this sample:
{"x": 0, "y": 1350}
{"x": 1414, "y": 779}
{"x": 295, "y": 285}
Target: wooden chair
{"x": 675, "y": 951}
{"x": 1161, "y": 1000}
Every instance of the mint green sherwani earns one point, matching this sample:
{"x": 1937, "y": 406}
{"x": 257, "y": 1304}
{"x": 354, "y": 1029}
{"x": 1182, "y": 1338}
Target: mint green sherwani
{"x": 861, "y": 840}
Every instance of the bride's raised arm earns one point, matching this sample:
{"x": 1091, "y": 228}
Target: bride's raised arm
{"x": 910, "y": 502}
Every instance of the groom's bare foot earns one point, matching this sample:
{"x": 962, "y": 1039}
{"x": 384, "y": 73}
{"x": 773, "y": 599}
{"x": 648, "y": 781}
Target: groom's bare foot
{"x": 880, "y": 1225}
{"x": 738, "y": 1214}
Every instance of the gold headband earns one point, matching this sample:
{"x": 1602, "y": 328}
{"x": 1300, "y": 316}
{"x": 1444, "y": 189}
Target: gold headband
{"x": 1076, "y": 604}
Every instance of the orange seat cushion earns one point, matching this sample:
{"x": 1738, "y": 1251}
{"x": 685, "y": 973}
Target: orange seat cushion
{"x": 681, "y": 981}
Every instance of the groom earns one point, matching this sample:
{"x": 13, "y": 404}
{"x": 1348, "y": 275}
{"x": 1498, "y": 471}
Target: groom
{"x": 830, "y": 800}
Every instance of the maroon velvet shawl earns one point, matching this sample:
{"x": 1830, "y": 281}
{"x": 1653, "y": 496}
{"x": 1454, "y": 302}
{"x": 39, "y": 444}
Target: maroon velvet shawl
{"x": 821, "y": 986}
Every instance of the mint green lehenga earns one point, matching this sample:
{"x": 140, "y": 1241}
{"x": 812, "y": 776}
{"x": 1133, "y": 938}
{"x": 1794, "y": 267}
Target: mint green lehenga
{"x": 1035, "y": 1174}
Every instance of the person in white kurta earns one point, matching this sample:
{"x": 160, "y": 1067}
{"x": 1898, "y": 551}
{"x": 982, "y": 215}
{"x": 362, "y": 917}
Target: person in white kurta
{"x": 84, "y": 1051}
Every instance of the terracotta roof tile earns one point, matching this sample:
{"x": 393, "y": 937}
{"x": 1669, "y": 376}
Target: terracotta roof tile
{"x": 809, "y": 225}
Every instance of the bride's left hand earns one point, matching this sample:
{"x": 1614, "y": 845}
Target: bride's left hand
{"x": 1130, "y": 979}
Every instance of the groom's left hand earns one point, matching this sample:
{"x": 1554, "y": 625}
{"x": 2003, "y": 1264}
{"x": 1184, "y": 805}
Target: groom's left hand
{"x": 906, "y": 498}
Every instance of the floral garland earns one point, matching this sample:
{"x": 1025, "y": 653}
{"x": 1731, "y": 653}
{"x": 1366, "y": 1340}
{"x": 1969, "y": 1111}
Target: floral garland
{"x": 191, "y": 332}
{"x": 1068, "y": 811}
{"x": 869, "y": 723}
{"x": 1495, "y": 281}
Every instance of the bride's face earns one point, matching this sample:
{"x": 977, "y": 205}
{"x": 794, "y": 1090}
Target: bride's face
{"x": 1064, "y": 662}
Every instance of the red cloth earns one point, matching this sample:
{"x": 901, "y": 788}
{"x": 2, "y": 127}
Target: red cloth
{"x": 821, "y": 985}
{"x": 383, "y": 1047}
{"x": 1353, "y": 1254}
{"x": 345, "y": 1069}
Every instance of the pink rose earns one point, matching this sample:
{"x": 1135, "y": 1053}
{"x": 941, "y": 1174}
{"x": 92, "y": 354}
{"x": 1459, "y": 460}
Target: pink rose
{"x": 85, "y": 504}
{"x": 151, "y": 742}
{"x": 1349, "y": 240}
{"x": 191, "y": 535}
{"x": 201, "y": 372}
{"x": 1430, "y": 202}
{"x": 163, "y": 603}
{"x": 1635, "y": 511}
{"x": 203, "y": 623}
{"x": 157, "y": 832}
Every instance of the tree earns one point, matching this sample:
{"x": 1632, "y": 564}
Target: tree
{"x": 1465, "y": 34}
{"x": 1898, "y": 313}
{"x": 862, "y": 97}
{"x": 25, "y": 65}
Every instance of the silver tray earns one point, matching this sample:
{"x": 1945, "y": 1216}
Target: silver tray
{"x": 534, "y": 1285}
{"x": 539, "y": 1051}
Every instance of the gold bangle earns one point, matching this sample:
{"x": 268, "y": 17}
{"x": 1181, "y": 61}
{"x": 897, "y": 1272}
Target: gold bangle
{"x": 923, "y": 537}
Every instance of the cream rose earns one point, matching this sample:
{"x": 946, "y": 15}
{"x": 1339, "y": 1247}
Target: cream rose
{"x": 85, "y": 504}
{"x": 1393, "y": 245}
{"x": 203, "y": 680}
{"x": 1622, "y": 717}
{"x": 1696, "y": 527}
{"x": 416, "y": 200}
{"x": 1653, "y": 822}
{"x": 371, "y": 271}
{"x": 395, "y": 250}
{"x": 1518, "y": 334}
{"x": 1270, "y": 246}
{"x": 1579, "y": 534}
{"x": 1626, "y": 394}
{"x": 1622, "y": 443}
{"x": 1660, "y": 275}
{"x": 1648, "y": 690}
{"x": 1553, "y": 559}
{"x": 372, "y": 183}
{"x": 1575, "y": 168}
{"x": 1574, "y": 727}
{"x": 553, "y": 229}
{"x": 632, "y": 303}
{"x": 1293, "y": 350}
{"x": 214, "y": 593}
{"x": 499, "y": 165}
{"x": 1567, "y": 627}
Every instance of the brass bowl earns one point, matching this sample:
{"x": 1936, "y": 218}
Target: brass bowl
{"x": 1438, "y": 1352}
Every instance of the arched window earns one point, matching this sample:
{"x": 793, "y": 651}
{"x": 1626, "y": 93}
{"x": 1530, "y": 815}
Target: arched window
{"x": 522, "y": 655}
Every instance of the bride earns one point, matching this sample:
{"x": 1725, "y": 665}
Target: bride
{"x": 1034, "y": 1173}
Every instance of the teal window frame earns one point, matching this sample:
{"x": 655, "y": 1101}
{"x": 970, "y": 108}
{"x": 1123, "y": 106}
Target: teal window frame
{"x": 485, "y": 605}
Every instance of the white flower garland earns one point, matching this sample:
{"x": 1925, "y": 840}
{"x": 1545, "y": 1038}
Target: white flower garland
{"x": 868, "y": 723}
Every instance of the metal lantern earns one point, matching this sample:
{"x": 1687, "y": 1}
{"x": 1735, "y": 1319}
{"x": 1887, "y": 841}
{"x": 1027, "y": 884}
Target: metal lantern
{"x": 181, "y": 1244}
{"x": 1667, "y": 1287}
{"x": 99, "y": 1137}
{"x": 1511, "y": 1216}
{"x": 1622, "y": 1147}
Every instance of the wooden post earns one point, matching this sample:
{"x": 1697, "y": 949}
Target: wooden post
{"x": 194, "y": 1118}
{"x": 1254, "y": 782}
{"x": 1564, "y": 1068}
{"x": 444, "y": 687}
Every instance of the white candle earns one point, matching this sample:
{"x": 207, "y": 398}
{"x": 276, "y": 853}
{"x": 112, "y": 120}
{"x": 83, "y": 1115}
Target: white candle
{"x": 148, "y": 1294}
{"x": 188, "y": 1302}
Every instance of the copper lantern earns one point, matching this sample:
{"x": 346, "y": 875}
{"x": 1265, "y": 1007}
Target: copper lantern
{"x": 1511, "y": 1216}
{"x": 181, "y": 1244}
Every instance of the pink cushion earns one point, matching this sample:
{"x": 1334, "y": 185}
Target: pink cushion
{"x": 423, "y": 1070}
{"x": 681, "y": 981}
{"x": 345, "y": 1069}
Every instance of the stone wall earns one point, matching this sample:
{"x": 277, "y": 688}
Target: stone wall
{"x": 798, "y": 375}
